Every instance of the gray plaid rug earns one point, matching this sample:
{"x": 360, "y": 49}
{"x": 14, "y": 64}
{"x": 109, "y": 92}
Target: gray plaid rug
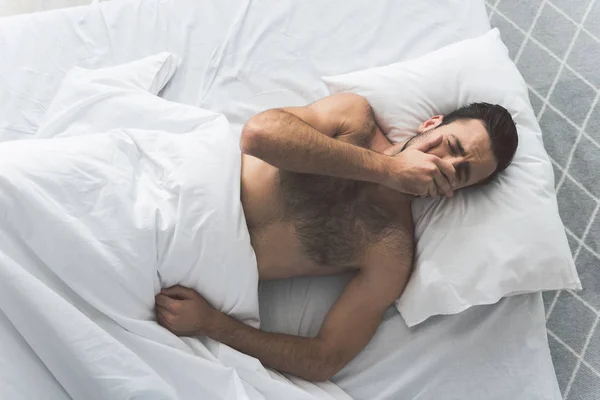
{"x": 556, "y": 46}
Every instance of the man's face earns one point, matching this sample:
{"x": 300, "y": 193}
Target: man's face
{"x": 466, "y": 145}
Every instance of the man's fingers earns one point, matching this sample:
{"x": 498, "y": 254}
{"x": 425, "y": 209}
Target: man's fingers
{"x": 166, "y": 302}
{"x": 428, "y": 143}
{"x": 432, "y": 191}
{"x": 443, "y": 186}
{"x": 163, "y": 317}
{"x": 158, "y": 308}
{"x": 447, "y": 194}
{"x": 447, "y": 169}
{"x": 178, "y": 292}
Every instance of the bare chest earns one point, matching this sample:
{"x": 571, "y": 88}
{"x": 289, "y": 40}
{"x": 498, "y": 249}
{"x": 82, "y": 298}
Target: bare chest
{"x": 279, "y": 251}
{"x": 280, "y": 254}
{"x": 308, "y": 226}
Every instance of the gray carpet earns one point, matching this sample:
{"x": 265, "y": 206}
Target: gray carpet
{"x": 556, "y": 45}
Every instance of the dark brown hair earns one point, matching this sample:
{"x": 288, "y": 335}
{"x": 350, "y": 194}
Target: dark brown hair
{"x": 499, "y": 125}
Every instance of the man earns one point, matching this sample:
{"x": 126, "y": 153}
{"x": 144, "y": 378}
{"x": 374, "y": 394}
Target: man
{"x": 324, "y": 192}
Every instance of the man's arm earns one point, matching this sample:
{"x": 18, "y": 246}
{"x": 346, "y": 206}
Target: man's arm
{"x": 301, "y": 139}
{"x": 348, "y": 327}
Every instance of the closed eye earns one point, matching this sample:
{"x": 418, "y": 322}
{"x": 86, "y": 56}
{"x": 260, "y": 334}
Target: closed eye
{"x": 452, "y": 149}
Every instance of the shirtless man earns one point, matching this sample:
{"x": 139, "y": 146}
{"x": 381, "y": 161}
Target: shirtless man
{"x": 323, "y": 192}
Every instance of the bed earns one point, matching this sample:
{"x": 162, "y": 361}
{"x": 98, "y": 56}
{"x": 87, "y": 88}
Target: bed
{"x": 239, "y": 57}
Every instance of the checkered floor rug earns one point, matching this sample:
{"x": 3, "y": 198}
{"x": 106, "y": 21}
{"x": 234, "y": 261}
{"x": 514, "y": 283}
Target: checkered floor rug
{"x": 556, "y": 46}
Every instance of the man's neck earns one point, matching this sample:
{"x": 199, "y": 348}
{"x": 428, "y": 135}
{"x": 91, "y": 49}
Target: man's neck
{"x": 379, "y": 142}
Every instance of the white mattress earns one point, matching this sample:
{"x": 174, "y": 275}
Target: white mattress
{"x": 240, "y": 58}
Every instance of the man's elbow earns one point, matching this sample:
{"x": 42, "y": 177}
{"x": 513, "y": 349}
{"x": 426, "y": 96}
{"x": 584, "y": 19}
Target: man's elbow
{"x": 324, "y": 373}
{"x": 257, "y": 131}
{"x": 329, "y": 364}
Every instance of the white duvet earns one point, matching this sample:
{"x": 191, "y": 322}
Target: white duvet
{"x": 96, "y": 218}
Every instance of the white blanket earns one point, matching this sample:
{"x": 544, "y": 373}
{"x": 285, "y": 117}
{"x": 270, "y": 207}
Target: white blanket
{"x": 94, "y": 223}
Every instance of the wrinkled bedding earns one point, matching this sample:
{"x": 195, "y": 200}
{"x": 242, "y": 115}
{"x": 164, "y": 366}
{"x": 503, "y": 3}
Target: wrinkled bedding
{"x": 96, "y": 221}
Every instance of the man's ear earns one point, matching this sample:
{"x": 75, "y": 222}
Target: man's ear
{"x": 431, "y": 123}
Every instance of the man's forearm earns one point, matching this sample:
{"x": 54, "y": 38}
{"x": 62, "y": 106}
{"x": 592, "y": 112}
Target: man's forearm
{"x": 306, "y": 358}
{"x": 285, "y": 141}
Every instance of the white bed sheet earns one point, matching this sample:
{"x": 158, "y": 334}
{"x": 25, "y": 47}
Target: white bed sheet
{"x": 240, "y": 58}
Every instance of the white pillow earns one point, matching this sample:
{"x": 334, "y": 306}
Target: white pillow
{"x": 200, "y": 231}
{"x": 484, "y": 243}
{"x": 148, "y": 74}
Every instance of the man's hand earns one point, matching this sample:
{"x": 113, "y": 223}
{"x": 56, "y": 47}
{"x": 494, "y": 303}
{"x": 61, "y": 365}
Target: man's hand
{"x": 348, "y": 327}
{"x": 183, "y": 311}
{"x": 415, "y": 172}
